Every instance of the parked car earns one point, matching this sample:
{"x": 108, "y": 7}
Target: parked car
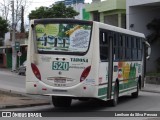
{"x": 22, "y": 69}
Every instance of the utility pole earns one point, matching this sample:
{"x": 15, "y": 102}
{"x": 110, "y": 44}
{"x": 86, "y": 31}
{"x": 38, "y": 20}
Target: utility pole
{"x": 14, "y": 53}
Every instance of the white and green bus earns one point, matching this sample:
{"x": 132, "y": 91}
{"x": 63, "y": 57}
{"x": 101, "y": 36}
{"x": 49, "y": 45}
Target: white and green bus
{"x": 75, "y": 59}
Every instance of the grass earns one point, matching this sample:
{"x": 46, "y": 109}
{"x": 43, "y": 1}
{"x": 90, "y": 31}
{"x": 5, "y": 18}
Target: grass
{"x": 153, "y": 74}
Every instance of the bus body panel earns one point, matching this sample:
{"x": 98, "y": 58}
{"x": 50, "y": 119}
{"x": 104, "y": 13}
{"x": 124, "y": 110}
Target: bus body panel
{"x": 73, "y": 86}
{"x": 128, "y": 74}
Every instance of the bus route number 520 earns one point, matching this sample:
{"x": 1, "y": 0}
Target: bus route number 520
{"x": 60, "y": 66}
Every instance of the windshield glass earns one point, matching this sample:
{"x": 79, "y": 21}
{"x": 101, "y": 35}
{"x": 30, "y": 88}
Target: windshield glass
{"x": 63, "y": 37}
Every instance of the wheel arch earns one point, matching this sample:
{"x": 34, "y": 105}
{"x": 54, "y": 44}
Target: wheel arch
{"x": 117, "y": 82}
{"x": 140, "y": 82}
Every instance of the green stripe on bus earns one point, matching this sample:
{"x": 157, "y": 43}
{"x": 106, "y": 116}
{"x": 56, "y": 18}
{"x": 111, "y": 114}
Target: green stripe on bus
{"x": 127, "y": 85}
{"x": 102, "y": 91}
{"x": 123, "y": 86}
{"x": 127, "y": 90}
{"x": 103, "y": 97}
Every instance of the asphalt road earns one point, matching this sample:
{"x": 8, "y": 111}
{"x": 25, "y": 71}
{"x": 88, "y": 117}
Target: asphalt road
{"x": 145, "y": 102}
{"x": 12, "y": 81}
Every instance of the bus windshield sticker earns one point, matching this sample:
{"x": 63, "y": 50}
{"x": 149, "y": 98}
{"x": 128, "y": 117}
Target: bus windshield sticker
{"x": 63, "y": 37}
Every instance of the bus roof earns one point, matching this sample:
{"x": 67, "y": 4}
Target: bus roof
{"x": 101, "y": 25}
{"x": 118, "y": 29}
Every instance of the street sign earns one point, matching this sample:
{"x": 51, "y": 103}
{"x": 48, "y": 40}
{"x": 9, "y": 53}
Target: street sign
{"x": 19, "y": 54}
{"x": 17, "y": 46}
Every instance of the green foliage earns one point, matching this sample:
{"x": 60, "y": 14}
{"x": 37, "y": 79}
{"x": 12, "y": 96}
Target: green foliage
{"x": 158, "y": 64}
{"x": 153, "y": 74}
{"x": 154, "y": 26}
{"x": 54, "y": 11}
{"x": 3, "y": 27}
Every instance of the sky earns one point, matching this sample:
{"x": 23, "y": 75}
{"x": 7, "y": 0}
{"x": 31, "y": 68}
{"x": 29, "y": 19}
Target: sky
{"x": 37, "y": 3}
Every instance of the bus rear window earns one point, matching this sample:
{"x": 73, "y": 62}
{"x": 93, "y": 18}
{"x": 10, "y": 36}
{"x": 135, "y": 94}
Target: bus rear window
{"x": 63, "y": 38}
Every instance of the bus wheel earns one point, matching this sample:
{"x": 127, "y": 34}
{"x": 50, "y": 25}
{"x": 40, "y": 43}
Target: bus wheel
{"x": 61, "y": 101}
{"x": 135, "y": 94}
{"x": 114, "y": 101}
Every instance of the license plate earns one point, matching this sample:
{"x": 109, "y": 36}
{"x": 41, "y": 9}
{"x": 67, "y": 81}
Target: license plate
{"x": 60, "y": 66}
{"x": 60, "y": 80}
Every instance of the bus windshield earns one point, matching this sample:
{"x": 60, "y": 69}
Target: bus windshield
{"x": 63, "y": 37}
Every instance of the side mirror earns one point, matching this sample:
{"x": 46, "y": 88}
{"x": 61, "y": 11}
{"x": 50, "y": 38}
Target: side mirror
{"x": 149, "y": 52}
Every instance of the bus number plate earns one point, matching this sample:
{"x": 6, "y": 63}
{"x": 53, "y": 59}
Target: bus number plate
{"x": 60, "y": 66}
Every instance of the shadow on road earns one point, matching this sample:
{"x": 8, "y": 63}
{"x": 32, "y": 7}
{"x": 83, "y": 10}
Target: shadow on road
{"x": 91, "y": 105}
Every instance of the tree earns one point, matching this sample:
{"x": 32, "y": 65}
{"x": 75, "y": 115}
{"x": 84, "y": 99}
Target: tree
{"x": 154, "y": 26}
{"x": 5, "y": 7}
{"x": 54, "y": 11}
{"x": 3, "y": 27}
{"x": 22, "y": 21}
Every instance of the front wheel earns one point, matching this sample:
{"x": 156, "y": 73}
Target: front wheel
{"x": 114, "y": 101}
{"x": 61, "y": 101}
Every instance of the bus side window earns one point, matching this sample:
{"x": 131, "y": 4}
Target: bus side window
{"x": 128, "y": 48}
{"x": 121, "y": 46}
{"x": 115, "y": 47}
{"x": 134, "y": 49}
{"x": 103, "y": 45}
{"x": 139, "y": 48}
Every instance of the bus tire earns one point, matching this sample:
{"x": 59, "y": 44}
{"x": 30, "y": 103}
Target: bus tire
{"x": 135, "y": 94}
{"x": 61, "y": 101}
{"x": 114, "y": 101}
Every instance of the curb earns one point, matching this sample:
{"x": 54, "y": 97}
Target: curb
{"x": 22, "y": 106}
{"x": 12, "y": 93}
{"x": 153, "y": 91}
{"x": 17, "y": 93}
{"x": 20, "y": 94}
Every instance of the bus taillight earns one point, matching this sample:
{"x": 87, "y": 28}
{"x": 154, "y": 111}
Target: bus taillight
{"x": 85, "y": 73}
{"x": 36, "y": 71}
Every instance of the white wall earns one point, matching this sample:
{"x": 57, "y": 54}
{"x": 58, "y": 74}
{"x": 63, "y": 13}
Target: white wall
{"x": 140, "y": 2}
{"x": 140, "y": 15}
{"x": 7, "y": 40}
{"x": 78, "y": 7}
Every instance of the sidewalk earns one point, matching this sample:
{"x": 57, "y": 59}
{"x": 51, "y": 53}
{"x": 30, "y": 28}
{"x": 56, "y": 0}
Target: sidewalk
{"x": 8, "y": 100}
{"x": 12, "y": 96}
{"x": 151, "y": 88}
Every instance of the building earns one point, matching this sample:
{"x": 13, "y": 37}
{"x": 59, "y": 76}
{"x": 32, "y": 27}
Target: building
{"x": 79, "y": 6}
{"x": 6, "y": 50}
{"x": 112, "y": 12}
{"x": 139, "y": 14}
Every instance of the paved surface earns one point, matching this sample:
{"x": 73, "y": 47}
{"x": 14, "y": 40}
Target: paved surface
{"x": 151, "y": 88}
{"x": 12, "y": 96}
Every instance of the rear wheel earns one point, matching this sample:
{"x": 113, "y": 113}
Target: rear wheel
{"x": 61, "y": 101}
{"x": 135, "y": 94}
{"x": 114, "y": 101}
